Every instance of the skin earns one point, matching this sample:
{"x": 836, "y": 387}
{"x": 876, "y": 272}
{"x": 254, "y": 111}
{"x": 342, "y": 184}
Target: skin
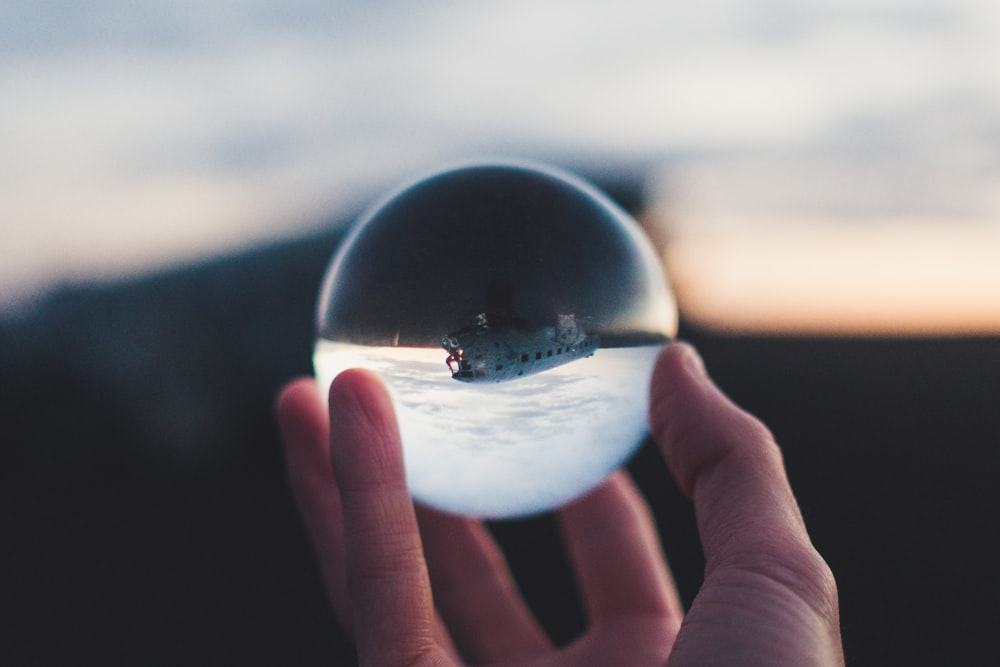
{"x": 416, "y": 587}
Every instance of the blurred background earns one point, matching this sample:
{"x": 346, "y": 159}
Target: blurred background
{"x": 821, "y": 178}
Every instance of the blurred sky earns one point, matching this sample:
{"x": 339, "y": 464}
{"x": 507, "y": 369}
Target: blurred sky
{"x": 136, "y": 135}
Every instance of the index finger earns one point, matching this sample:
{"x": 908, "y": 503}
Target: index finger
{"x": 394, "y": 617}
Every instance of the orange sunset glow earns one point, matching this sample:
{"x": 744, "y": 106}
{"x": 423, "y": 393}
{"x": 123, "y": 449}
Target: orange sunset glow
{"x": 916, "y": 278}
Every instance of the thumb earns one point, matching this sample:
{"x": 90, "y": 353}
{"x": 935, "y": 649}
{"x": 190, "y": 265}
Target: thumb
{"x": 762, "y": 572}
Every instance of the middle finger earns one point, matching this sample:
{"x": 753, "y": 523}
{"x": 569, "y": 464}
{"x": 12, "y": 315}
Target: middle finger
{"x": 475, "y": 593}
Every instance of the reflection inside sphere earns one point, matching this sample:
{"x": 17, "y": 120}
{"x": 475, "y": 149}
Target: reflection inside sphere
{"x": 515, "y": 313}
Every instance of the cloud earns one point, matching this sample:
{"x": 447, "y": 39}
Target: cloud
{"x": 224, "y": 123}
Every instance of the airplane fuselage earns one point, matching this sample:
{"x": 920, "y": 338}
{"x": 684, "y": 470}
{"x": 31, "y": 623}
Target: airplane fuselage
{"x": 486, "y": 353}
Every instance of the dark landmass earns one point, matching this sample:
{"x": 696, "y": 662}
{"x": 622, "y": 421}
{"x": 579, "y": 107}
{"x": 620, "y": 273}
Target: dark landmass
{"x": 146, "y": 518}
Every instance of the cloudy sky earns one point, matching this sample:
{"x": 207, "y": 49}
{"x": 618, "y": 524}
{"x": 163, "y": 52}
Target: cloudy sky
{"x": 136, "y": 135}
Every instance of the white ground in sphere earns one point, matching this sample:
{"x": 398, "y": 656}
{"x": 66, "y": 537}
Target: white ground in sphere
{"x": 510, "y": 448}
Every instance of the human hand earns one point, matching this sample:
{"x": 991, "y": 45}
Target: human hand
{"x": 768, "y": 598}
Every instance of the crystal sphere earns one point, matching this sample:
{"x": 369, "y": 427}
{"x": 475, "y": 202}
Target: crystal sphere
{"x": 514, "y": 312}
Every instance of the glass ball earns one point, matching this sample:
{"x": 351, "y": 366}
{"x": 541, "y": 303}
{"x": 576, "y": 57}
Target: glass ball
{"x": 515, "y": 313}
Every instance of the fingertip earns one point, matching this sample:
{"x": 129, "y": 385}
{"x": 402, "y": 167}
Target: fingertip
{"x": 358, "y": 387}
{"x": 686, "y": 354}
{"x": 358, "y": 396}
{"x": 678, "y": 361}
{"x": 354, "y": 379}
{"x": 292, "y": 393}
{"x": 298, "y": 408}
